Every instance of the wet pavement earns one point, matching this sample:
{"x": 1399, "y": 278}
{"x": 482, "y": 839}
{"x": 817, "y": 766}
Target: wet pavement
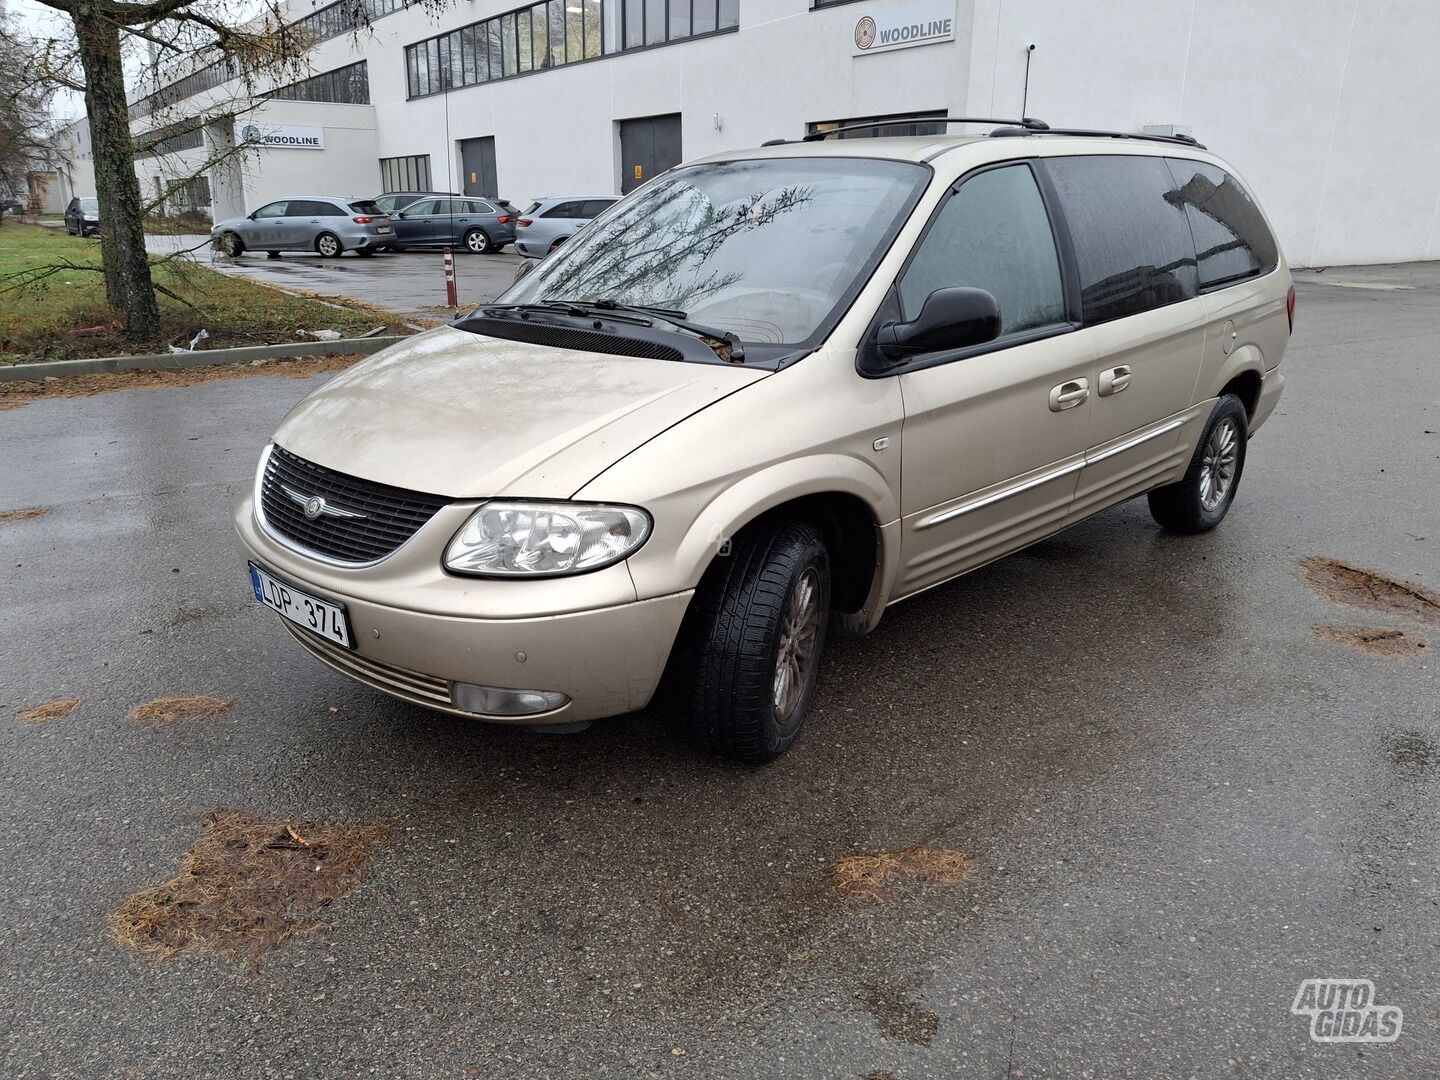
{"x": 1182, "y": 801}
{"x": 410, "y": 283}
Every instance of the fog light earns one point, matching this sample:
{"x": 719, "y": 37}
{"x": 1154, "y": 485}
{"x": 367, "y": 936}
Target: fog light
{"x": 498, "y": 701}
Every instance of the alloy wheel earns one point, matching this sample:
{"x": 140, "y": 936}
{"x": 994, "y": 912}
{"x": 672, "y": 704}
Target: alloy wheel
{"x": 1217, "y": 467}
{"x": 795, "y": 654}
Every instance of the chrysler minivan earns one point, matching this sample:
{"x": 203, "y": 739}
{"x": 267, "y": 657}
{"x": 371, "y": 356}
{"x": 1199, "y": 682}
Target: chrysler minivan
{"x": 764, "y": 397}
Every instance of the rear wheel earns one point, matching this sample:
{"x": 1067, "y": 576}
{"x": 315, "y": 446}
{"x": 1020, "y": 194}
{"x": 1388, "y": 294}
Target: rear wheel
{"x": 328, "y": 245}
{"x": 1201, "y": 498}
{"x": 755, "y": 640}
{"x": 477, "y": 242}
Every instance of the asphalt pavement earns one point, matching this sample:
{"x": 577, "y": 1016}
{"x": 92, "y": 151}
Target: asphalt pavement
{"x": 1182, "y": 802}
{"x": 409, "y": 283}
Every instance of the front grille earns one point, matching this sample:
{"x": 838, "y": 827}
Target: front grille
{"x": 384, "y": 517}
{"x": 401, "y": 682}
{"x": 565, "y": 337}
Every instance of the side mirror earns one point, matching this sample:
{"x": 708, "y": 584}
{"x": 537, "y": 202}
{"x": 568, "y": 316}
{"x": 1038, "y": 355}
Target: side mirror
{"x": 951, "y": 319}
{"x": 525, "y": 267}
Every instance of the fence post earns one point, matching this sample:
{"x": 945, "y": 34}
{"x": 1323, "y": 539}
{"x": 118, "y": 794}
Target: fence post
{"x": 450, "y": 297}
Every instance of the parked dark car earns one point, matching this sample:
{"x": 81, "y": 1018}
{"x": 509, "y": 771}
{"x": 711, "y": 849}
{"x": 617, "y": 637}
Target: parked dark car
{"x": 480, "y": 226}
{"x": 82, "y": 216}
{"x": 395, "y": 201}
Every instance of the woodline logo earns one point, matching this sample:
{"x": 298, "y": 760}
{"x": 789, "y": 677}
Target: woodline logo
{"x": 865, "y": 33}
{"x": 1344, "y": 1011}
{"x": 919, "y": 22}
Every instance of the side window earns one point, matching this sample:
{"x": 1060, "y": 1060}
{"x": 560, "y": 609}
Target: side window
{"x": 992, "y": 234}
{"x": 478, "y": 207}
{"x": 595, "y": 207}
{"x": 422, "y": 208}
{"x": 272, "y": 210}
{"x": 564, "y": 210}
{"x": 1232, "y": 240}
{"x": 1132, "y": 242}
{"x": 325, "y": 209}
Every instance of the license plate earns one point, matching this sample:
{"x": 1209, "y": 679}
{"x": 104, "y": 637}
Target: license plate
{"x": 382, "y": 228}
{"x": 324, "y": 617}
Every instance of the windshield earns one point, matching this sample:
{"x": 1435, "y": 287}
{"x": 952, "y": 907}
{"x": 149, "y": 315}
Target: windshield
{"x": 766, "y": 249}
{"x": 89, "y": 204}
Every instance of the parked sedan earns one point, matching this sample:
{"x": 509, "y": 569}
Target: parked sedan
{"x": 549, "y": 222}
{"x": 82, "y": 216}
{"x": 480, "y": 226}
{"x": 322, "y": 223}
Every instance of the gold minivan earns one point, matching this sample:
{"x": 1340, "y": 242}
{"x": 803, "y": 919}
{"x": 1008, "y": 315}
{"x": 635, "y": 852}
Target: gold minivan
{"x": 768, "y": 395}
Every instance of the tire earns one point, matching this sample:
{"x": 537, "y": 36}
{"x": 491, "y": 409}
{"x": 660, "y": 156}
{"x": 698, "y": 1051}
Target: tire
{"x": 1201, "y": 498}
{"x": 328, "y": 245}
{"x": 738, "y": 705}
{"x": 272, "y": 254}
{"x": 556, "y": 244}
{"x": 232, "y": 245}
{"x": 478, "y": 242}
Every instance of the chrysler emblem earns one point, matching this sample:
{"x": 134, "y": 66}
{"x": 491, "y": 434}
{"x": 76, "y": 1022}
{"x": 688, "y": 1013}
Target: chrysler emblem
{"x": 314, "y": 507}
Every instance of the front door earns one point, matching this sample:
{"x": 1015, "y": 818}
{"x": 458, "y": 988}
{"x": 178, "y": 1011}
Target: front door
{"x": 994, "y": 435}
{"x": 418, "y": 224}
{"x": 477, "y": 158}
{"x": 648, "y": 146}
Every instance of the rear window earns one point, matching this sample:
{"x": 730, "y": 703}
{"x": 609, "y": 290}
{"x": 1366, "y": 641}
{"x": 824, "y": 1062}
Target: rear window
{"x": 1132, "y": 242}
{"x": 366, "y": 207}
{"x": 532, "y": 208}
{"x": 1232, "y": 241}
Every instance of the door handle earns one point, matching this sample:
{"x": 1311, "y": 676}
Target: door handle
{"x": 1069, "y": 394}
{"x": 1114, "y": 380}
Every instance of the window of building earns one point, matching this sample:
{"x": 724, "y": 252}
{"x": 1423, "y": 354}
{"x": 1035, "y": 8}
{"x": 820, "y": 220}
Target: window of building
{"x": 405, "y": 173}
{"x": 1232, "y": 241}
{"x": 889, "y": 125}
{"x": 349, "y": 85}
{"x": 168, "y": 141}
{"x": 992, "y": 234}
{"x": 1132, "y": 241}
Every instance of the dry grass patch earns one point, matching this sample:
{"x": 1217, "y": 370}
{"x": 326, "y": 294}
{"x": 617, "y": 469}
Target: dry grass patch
{"x": 51, "y": 710}
{"x": 15, "y": 394}
{"x": 247, "y": 886}
{"x": 24, "y": 515}
{"x": 1358, "y": 587}
{"x": 173, "y": 710}
{"x": 1375, "y": 640}
{"x": 865, "y": 877}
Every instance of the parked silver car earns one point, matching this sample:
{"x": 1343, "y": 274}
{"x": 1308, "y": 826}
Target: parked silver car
{"x": 549, "y": 222}
{"x": 326, "y": 224}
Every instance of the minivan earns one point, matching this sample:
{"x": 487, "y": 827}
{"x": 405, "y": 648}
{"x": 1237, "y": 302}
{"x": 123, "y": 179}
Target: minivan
{"x": 761, "y": 399}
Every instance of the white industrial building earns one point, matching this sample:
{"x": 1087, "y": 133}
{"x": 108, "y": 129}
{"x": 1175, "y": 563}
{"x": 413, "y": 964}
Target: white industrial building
{"x": 1315, "y": 102}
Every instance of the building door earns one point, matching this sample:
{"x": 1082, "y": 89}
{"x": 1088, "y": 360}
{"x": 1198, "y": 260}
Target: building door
{"x": 648, "y": 146}
{"x": 477, "y": 158}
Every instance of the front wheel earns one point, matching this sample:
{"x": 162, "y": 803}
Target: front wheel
{"x": 232, "y": 245}
{"x": 477, "y": 242}
{"x": 757, "y": 636}
{"x": 1201, "y": 498}
{"x": 328, "y": 245}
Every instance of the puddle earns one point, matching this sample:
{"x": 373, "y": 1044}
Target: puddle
{"x": 898, "y": 1017}
{"x": 1345, "y": 584}
{"x": 1375, "y": 640}
{"x": 50, "y": 711}
{"x": 865, "y": 877}
{"x": 246, "y": 887}
{"x": 24, "y": 515}
{"x": 174, "y": 710}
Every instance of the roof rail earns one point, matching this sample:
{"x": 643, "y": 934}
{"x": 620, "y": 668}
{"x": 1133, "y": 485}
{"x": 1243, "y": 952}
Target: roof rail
{"x": 1021, "y": 130}
{"x": 1028, "y": 123}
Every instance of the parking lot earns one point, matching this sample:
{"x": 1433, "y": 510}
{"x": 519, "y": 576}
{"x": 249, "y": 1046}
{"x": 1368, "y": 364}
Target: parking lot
{"x": 411, "y": 283}
{"x": 1182, "y": 801}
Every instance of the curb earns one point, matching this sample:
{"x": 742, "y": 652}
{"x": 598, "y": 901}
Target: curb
{"x": 177, "y": 361}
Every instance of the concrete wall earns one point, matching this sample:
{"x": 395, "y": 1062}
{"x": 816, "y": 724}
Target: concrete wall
{"x": 1314, "y": 101}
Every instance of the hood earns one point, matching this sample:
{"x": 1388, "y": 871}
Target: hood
{"x": 452, "y": 413}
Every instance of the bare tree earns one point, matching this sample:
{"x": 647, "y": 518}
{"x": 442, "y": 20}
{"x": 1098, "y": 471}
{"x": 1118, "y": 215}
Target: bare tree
{"x": 187, "y": 36}
{"x": 27, "y": 131}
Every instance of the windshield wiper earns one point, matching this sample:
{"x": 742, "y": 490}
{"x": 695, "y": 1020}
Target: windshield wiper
{"x": 725, "y": 343}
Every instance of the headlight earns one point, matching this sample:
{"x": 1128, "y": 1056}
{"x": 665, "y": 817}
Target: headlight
{"x": 523, "y": 539}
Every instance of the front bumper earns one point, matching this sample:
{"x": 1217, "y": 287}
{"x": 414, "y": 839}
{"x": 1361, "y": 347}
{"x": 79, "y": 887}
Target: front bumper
{"x": 607, "y": 660}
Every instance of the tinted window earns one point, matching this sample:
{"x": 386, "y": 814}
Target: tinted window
{"x": 327, "y": 209}
{"x": 478, "y": 207}
{"x": 366, "y": 208}
{"x": 564, "y": 210}
{"x": 1132, "y": 243}
{"x": 532, "y": 208}
{"x": 272, "y": 210}
{"x": 1232, "y": 240}
{"x": 596, "y": 207}
{"x": 992, "y": 234}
